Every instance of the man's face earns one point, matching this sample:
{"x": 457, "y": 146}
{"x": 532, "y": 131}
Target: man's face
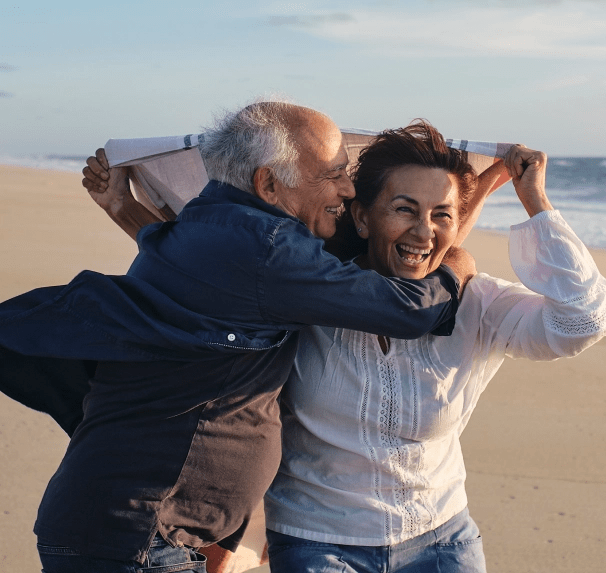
{"x": 318, "y": 199}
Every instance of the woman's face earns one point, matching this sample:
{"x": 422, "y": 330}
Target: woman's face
{"x": 412, "y": 223}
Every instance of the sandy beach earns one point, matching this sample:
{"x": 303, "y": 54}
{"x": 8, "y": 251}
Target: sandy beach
{"x": 535, "y": 448}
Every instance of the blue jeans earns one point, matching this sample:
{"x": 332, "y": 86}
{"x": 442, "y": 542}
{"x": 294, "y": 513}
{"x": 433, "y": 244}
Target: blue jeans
{"x": 454, "y": 547}
{"x": 162, "y": 558}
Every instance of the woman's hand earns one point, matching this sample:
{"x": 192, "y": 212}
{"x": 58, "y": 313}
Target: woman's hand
{"x": 527, "y": 170}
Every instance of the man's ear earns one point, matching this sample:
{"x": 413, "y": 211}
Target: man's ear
{"x": 264, "y": 183}
{"x": 360, "y": 217}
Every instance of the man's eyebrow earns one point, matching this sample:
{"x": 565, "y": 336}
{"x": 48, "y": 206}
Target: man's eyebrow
{"x": 415, "y": 202}
{"x": 338, "y": 167}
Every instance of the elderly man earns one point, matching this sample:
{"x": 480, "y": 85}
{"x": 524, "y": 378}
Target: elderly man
{"x": 181, "y": 433}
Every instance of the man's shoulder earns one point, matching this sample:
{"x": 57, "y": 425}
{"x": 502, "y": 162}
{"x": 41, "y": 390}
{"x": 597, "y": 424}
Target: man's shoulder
{"x": 254, "y": 221}
{"x": 210, "y": 232}
{"x": 253, "y": 215}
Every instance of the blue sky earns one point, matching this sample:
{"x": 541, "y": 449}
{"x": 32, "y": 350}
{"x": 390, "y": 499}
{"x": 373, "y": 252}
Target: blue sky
{"x": 74, "y": 74}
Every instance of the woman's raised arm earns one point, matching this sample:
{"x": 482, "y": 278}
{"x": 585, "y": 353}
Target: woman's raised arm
{"x": 527, "y": 169}
{"x": 488, "y": 182}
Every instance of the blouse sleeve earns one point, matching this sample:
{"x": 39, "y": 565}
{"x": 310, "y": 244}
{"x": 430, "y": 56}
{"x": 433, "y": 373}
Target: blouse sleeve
{"x": 565, "y": 312}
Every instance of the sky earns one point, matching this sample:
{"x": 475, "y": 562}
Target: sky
{"x": 74, "y": 74}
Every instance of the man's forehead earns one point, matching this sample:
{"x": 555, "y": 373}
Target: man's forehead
{"x": 323, "y": 141}
{"x": 341, "y": 159}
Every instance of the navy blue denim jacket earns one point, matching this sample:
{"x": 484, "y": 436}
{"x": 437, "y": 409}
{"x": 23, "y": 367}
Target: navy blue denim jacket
{"x": 181, "y": 431}
{"x": 231, "y": 274}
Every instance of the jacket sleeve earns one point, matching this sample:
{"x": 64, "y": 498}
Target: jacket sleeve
{"x": 302, "y": 283}
{"x": 53, "y": 385}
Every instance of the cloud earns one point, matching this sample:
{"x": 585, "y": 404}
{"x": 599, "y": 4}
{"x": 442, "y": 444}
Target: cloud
{"x": 541, "y": 30}
{"x": 310, "y": 20}
{"x": 7, "y": 68}
{"x": 300, "y": 76}
{"x": 567, "y": 82}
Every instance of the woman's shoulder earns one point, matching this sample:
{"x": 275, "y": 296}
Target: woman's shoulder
{"x": 484, "y": 284}
{"x": 483, "y": 289}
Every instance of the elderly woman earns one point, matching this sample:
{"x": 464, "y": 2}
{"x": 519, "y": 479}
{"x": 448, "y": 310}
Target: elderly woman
{"x": 372, "y": 475}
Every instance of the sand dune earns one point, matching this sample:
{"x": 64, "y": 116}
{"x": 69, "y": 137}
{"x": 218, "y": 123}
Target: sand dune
{"x": 535, "y": 448}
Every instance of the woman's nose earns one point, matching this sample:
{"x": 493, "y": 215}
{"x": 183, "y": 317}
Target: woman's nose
{"x": 423, "y": 229}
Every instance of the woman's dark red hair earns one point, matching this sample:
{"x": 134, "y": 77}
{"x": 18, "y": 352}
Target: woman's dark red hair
{"x": 417, "y": 144}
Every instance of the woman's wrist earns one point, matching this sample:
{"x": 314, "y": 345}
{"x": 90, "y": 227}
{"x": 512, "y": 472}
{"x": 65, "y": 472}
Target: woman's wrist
{"x": 536, "y": 203}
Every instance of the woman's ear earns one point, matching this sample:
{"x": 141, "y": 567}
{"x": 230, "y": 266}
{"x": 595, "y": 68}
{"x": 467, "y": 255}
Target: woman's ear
{"x": 360, "y": 217}
{"x": 264, "y": 183}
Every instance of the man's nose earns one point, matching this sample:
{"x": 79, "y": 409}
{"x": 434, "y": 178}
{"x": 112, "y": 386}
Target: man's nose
{"x": 347, "y": 190}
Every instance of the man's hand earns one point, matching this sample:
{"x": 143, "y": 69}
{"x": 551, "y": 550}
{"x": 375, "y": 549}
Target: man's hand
{"x": 110, "y": 189}
{"x": 462, "y": 264}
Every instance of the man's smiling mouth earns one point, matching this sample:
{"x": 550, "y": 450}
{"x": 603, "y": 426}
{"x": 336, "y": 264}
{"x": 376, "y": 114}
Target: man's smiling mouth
{"x": 335, "y": 211}
{"x": 412, "y": 255}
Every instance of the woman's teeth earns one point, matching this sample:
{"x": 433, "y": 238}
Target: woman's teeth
{"x": 412, "y": 255}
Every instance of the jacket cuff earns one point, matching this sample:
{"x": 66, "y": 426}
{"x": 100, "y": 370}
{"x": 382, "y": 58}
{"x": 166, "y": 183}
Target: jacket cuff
{"x": 452, "y": 285}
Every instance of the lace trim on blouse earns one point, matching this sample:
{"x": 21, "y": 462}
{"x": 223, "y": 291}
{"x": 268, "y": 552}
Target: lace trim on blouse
{"x": 390, "y": 424}
{"x": 590, "y": 323}
{"x": 371, "y": 451}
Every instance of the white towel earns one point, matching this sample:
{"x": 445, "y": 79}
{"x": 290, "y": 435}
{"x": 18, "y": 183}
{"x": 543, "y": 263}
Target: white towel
{"x": 168, "y": 171}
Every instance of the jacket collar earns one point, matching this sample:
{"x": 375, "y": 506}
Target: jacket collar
{"x": 224, "y": 191}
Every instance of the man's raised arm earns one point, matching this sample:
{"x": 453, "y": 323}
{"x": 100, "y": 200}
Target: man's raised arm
{"x": 110, "y": 189}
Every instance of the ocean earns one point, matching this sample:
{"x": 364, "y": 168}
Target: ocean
{"x": 575, "y": 185}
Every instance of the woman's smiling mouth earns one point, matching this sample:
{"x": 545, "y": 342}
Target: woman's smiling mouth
{"x": 412, "y": 255}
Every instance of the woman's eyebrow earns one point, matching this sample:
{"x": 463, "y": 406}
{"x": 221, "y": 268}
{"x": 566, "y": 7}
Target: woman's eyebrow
{"x": 406, "y": 198}
{"x": 415, "y": 202}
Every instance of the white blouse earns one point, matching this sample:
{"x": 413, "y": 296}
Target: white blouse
{"x": 371, "y": 452}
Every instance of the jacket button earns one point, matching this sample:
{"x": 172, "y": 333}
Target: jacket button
{"x": 231, "y": 337}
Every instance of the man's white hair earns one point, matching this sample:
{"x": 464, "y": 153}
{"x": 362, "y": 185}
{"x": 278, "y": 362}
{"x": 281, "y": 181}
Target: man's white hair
{"x": 255, "y": 136}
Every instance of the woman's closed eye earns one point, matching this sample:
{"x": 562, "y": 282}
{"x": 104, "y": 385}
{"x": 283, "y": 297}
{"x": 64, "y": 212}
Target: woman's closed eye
{"x": 443, "y": 215}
